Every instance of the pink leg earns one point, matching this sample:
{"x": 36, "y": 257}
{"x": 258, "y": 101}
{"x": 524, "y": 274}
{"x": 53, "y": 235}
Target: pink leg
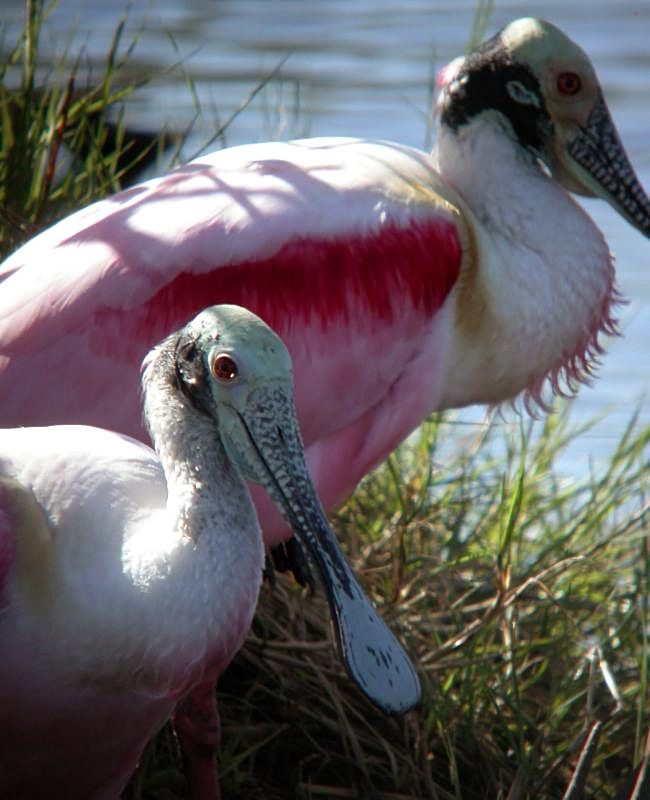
{"x": 196, "y": 721}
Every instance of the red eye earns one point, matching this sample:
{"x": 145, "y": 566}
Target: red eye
{"x": 568, "y": 83}
{"x": 224, "y": 368}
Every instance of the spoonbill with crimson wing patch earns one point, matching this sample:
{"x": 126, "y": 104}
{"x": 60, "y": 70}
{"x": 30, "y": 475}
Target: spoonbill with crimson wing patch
{"x": 401, "y": 282}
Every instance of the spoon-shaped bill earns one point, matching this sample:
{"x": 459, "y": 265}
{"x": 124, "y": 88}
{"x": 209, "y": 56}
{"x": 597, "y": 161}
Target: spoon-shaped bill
{"x": 373, "y": 657}
{"x": 603, "y": 167}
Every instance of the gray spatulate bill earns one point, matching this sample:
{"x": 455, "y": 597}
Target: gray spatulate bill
{"x": 372, "y": 656}
{"x": 606, "y": 170}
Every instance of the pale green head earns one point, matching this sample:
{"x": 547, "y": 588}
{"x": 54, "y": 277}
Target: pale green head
{"x": 234, "y": 367}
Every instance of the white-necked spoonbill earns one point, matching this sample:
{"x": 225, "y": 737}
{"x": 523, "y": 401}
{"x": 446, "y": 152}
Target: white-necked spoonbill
{"x": 401, "y": 282}
{"x": 129, "y": 578}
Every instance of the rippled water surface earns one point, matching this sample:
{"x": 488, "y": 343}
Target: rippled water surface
{"x": 365, "y": 69}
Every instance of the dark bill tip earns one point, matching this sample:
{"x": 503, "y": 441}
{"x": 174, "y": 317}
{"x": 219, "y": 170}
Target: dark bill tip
{"x": 372, "y": 656}
{"x": 603, "y": 166}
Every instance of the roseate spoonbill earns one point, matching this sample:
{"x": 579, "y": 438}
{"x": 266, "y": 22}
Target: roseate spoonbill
{"x": 129, "y": 577}
{"x": 401, "y": 282}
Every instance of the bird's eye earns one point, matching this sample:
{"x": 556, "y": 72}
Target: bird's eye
{"x": 569, "y": 83}
{"x": 224, "y": 368}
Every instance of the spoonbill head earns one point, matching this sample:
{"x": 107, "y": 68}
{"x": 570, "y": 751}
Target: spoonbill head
{"x": 401, "y": 282}
{"x": 129, "y": 578}
{"x": 542, "y": 88}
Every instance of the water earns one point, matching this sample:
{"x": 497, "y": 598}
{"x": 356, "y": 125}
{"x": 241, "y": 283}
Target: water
{"x": 363, "y": 68}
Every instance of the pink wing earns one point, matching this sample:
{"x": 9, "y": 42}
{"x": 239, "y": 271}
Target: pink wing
{"x": 342, "y": 246}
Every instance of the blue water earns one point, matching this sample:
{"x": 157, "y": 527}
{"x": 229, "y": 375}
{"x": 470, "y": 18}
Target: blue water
{"x": 363, "y": 68}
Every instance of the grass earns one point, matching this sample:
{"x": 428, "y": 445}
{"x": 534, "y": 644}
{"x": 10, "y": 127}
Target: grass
{"x": 522, "y": 596}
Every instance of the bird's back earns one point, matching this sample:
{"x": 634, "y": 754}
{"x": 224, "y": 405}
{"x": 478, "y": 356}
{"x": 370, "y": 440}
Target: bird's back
{"x": 348, "y": 249}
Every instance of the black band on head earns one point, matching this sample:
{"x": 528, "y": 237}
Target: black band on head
{"x": 490, "y": 80}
